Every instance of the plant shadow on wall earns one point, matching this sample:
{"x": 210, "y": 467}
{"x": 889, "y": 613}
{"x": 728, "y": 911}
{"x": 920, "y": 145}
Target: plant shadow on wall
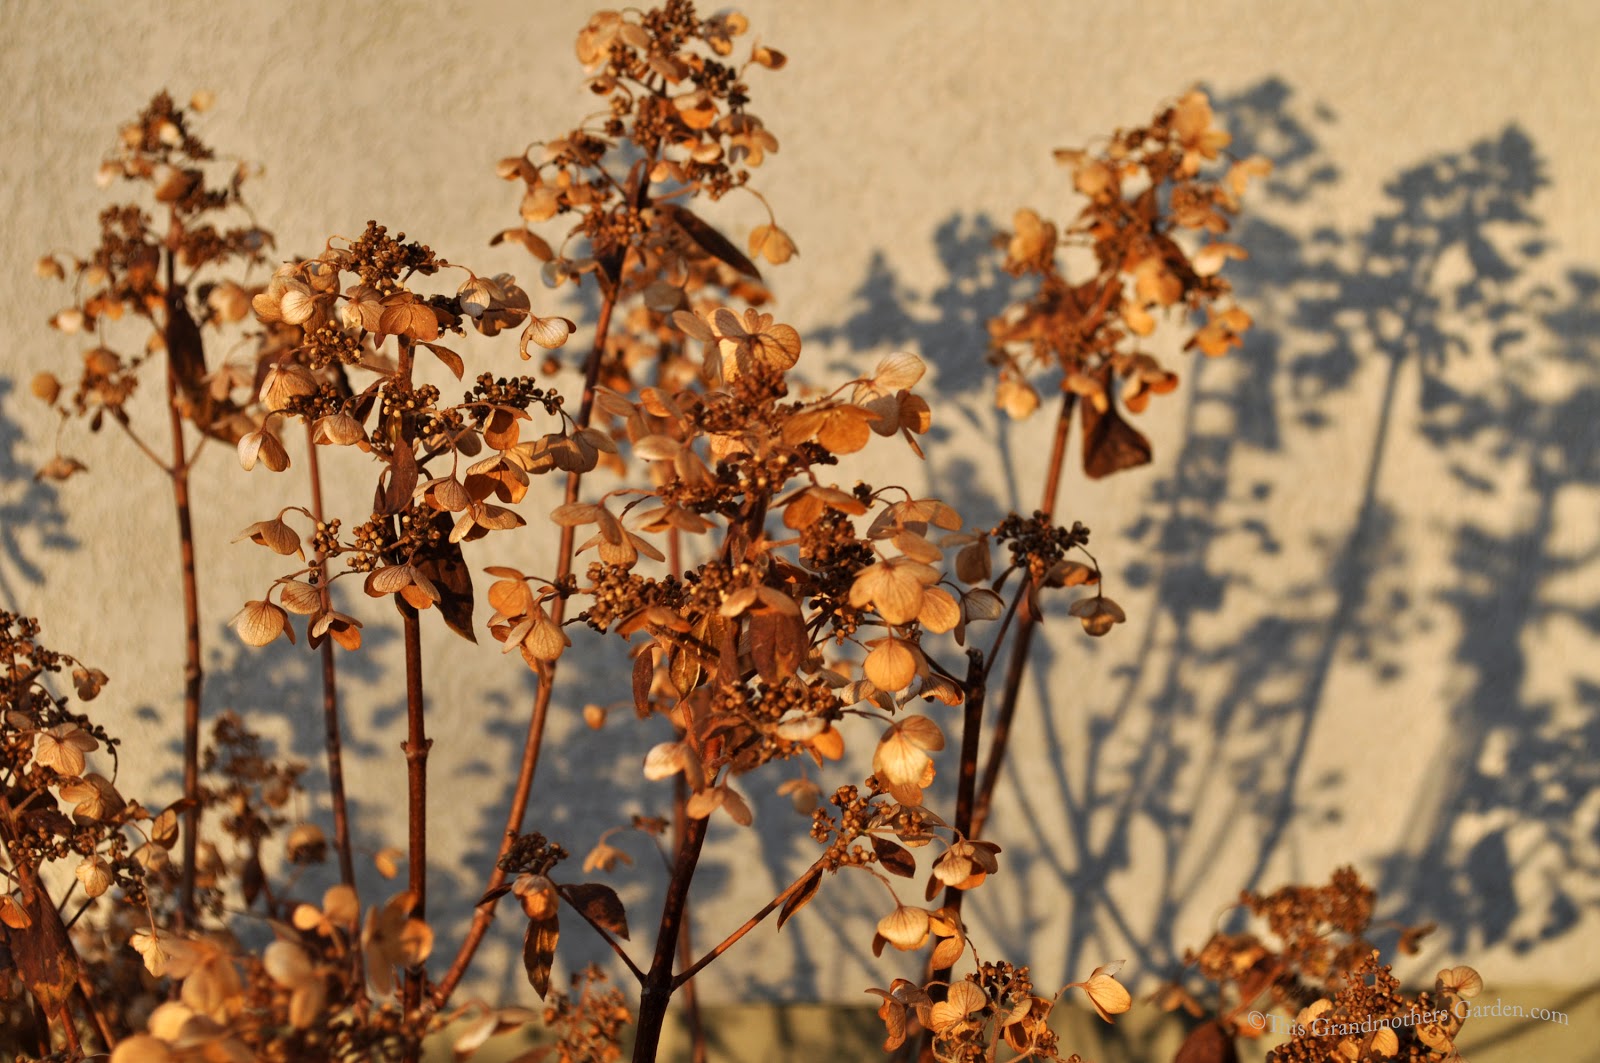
{"x": 25, "y": 503}
{"x": 1432, "y": 299}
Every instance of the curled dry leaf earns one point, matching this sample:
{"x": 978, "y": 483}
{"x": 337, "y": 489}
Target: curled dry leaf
{"x": 547, "y": 332}
{"x": 260, "y": 622}
{"x": 1463, "y": 981}
{"x": 1099, "y": 614}
{"x": 1108, "y": 996}
{"x": 905, "y": 928}
{"x": 13, "y": 914}
{"x": 95, "y": 875}
{"x": 273, "y": 534}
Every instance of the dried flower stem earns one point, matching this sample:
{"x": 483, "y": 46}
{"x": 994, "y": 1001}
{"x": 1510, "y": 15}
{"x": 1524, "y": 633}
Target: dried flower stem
{"x": 534, "y": 742}
{"x": 748, "y": 925}
{"x": 698, "y": 1049}
{"x": 330, "y": 698}
{"x": 691, "y": 999}
{"x": 192, "y": 673}
{"x": 1018, "y": 661}
{"x": 566, "y": 895}
{"x": 416, "y": 749}
{"x": 973, "y": 686}
{"x": 659, "y": 982}
{"x": 70, "y": 1029}
{"x": 86, "y": 994}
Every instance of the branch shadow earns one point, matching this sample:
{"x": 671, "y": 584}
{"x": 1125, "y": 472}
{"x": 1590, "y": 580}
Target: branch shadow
{"x": 32, "y": 520}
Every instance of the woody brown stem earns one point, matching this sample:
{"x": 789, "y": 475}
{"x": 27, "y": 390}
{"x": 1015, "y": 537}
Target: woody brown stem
{"x": 533, "y": 744}
{"x": 691, "y": 998}
{"x": 698, "y": 1049}
{"x": 973, "y": 803}
{"x": 330, "y": 695}
{"x": 416, "y": 750}
{"x": 192, "y": 673}
{"x": 966, "y": 784}
{"x": 92, "y": 1009}
{"x": 1017, "y": 663}
{"x": 70, "y": 1029}
{"x": 658, "y": 981}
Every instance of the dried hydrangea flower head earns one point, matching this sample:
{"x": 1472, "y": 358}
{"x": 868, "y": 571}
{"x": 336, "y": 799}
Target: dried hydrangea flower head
{"x": 167, "y": 271}
{"x": 1143, "y": 190}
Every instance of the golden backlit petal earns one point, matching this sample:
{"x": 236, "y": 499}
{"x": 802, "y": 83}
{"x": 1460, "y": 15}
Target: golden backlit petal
{"x": 939, "y": 611}
{"x": 772, "y": 243}
{"x": 703, "y": 803}
{"x": 300, "y": 598}
{"x": 664, "y": 760}
{"x": 259, "y": 622}
{"x": 1210, "y": 259}
{"x": 547, "y": 332}
{"x": 891, "y": 665}
{"x": 905, "y": 928}
{"x": 95, "y": 876}
{"x": 338, "y": 429}
{"x": 287, "y": 964}
{"x": 142, "y": 1048}
{"x": 148, "y": 943}
{"x": 1108, "y": 996}
{"x": 1463, "y": 981}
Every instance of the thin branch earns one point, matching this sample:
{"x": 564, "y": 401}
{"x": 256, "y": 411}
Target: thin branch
{"x": 616, "y": 946}
{"x": 330, "y": 694}
{"x": 966, "y": 780}
{"x": 86, "y": 994}
{"x": 1018, "y": 662}
{"x": 122, "y": 419}
{"x": 192, "y": 673}
{"x": 533, "y": 744}
{"x": 748, "y": 925}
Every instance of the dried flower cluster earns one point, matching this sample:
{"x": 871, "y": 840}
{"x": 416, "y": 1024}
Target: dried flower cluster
{"x": 676, "y": 126}
{"x": 1316, "y": 967}
{"x": 1143, "y": 189}
{"x": 162, "y": 272}
{"x": 443, "y": 467}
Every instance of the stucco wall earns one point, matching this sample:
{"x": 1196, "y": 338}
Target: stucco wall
{"x": 1361, "y": 575}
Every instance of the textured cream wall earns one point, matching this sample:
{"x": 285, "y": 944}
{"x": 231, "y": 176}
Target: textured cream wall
{"x": 1361, "y": 576}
